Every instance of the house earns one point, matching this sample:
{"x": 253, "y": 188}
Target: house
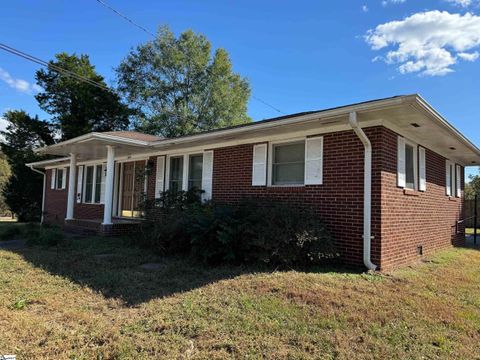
{"x": 387, "y": 176}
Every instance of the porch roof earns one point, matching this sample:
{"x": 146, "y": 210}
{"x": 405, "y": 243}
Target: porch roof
{"x": 409, "y": 115}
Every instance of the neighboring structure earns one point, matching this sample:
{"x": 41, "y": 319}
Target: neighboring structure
{"x": 387, "y": 176}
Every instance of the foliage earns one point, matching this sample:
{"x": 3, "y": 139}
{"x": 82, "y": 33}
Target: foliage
{"x": 9, "y": 231}
{"x": 4, "y": 176}
{"x": 43, "y": 235}
{"x": 78, "y": 107}
{"x": 472, "y": 187}
{"x": 179, "y": 88}
{"x": 254, "y": 231}
{"x": 22, "y": 192}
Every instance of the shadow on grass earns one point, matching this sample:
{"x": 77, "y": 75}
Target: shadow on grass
{"x": 113, "y": 267}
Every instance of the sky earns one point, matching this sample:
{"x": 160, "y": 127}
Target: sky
{"x": 298, "y": 55}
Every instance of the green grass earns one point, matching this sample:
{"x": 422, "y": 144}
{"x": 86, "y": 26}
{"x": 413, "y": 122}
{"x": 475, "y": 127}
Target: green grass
{"x": 469, "y": 231}
{"x": 67, "y": 302}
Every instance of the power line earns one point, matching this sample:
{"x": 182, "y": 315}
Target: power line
{"x": 153, "y": 35}
{"x": 125, "y": 17}
{"x": 53, "y": 67}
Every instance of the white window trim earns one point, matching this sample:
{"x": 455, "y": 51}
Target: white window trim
{"x": 458, "y": 181}
{"x": 451, "y": 167}
{"x": 84, "y": 185}
{"x": 415, "y": 165}
{"x": 270, "y": 161}
{"x": 186, "y": 167}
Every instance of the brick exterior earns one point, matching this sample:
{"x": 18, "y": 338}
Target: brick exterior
{"x": 400, "y": 222}
{"x": 56, "y": 204}
{"x": 420, "y": 218}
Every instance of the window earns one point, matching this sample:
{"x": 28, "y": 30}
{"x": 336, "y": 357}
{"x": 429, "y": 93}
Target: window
{"x": 98, "y": 183}
{"x": 176, "y": 173}
{"x": 407, "y": 164}
{"x": 288, "y": 164}
{"x": 89, "y": 184}
{"x": 195, "y": 171}
{"x": 450, "y": 178}
{"x": 60, "y": 181}
{"x": 409, "y": 167}
{"x": 93, "y": 184}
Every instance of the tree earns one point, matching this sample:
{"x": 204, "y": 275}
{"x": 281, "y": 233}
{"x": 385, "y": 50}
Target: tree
{"x": 78, "y": 107}
{"x": 178, "y": 88}
{"x": 22, "y": 192}
{"x": 472, "y": 187}
{"x": 4, "y": 176}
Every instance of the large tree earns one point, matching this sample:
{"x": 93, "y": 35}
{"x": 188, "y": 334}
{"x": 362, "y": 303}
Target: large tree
{"x": 179, "y": 88}
{"x": 23, "y": 191}
{"x": 76, "y": 106}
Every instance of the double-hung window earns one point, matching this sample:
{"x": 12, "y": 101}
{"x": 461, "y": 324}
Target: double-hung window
{"x": 58, "y": 179}
{"x": 411, "y": 159}
{"x": 195, "y": 171}
{"x": 176, "y": 174}
{"x": 288, "y": 164}
{"x": 60, "y": 175}
{"x": 93, "y": 184}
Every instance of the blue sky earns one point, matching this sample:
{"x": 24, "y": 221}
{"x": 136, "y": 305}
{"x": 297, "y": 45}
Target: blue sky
{"x": 298, "y": 55}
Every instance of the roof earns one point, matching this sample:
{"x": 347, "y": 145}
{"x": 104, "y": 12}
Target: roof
{"x": 134, "y": 135}
{"x": 398, "y": 112}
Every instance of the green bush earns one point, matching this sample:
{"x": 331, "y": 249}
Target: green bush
{"x": 254, "y": 231}
{"x": 267, "y": 232}
{"x": 43, "y": 235}
{"x": 10, "y": 232}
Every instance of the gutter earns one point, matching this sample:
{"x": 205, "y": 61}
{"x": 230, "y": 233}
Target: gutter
{"x": 367, "y": 192}
{"x": 43, "y": 190}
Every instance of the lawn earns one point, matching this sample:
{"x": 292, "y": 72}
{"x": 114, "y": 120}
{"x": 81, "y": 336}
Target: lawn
{"x": 469, "y": 231}
{"x": 92, "y": 299}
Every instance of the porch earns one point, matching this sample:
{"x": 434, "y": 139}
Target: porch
{"x": 118, "y": 226}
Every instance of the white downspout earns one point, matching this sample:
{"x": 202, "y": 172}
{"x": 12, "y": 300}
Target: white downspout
{"x": 43, "y": 191}
{"x": 367, "y": 192}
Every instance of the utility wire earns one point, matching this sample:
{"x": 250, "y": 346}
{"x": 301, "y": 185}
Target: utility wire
{"x": 153, "y": 35}
{"x": 125, "y": 17}
{"x": 53, "y": 67}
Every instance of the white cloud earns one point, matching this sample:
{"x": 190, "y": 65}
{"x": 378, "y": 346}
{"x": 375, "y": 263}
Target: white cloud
{"x": 428, "y": 43}
{"x": 365, "y": 8}
{"x": 469, "y": 56}
{"x": 18, "y": 84}
{"x": 463, "y": 3}
{"x": 387, "y": 2}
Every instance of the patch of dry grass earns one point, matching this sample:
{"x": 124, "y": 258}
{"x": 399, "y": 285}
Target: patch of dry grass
{"x": 69, "y": 303}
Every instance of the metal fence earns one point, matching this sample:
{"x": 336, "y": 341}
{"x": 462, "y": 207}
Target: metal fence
{"x": 470, "y": 213}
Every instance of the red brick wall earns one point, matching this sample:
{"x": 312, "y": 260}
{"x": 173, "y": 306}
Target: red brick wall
{"x": 55, "y": 202}
{"x": 338, "y": 201}
{"x": 56, "y": 205}
{"x": 400, "y": 222}
{"x": 419, "y": 218}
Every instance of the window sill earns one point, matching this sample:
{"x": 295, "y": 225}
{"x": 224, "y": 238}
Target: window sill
{"x": 410, "y": 192}
{"x": 453, "y": 198}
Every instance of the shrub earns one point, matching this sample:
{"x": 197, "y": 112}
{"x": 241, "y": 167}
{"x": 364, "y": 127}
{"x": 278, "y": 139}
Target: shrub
{"x": 254, "y": 231}
{"x": 9, "y": 232}
{"x": 265, "y": 232}
{"x": 167, "y": 220}
{"x": 43, "y": 235}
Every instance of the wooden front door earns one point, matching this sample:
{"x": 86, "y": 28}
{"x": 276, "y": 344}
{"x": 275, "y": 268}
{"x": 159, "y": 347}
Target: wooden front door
{"x": 133, "y": 186}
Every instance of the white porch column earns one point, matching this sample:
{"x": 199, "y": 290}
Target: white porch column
{"x": 107, "y": 213}
{"x": 71, "y": 186}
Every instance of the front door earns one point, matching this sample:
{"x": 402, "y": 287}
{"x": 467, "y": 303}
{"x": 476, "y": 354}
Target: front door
{"x": 133, "y": 186}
